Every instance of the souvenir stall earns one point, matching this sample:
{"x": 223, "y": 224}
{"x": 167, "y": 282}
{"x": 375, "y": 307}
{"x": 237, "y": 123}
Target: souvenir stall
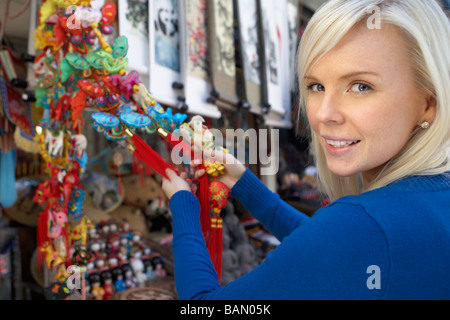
{"x": 105, "y": 96}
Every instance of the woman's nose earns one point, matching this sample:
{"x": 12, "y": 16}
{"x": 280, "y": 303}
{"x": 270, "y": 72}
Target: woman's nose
{"x": 330, "y": 109}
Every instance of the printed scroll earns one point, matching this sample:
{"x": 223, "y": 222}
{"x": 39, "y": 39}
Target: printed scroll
{"x": 194, "y": 62}
{"x": 222, "y": 52}
{"x": 275, "y": 75}
{"x": 250, "y": 54}
{"x": 165, "y": 76}
{"x": 133, "y": 23}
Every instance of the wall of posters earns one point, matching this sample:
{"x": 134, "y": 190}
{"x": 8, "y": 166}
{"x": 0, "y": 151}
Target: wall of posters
{"x": 202, "y": 56}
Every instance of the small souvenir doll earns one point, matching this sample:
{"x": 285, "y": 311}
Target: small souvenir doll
{"x": 104, "y": 230}
{"x": 139, "y": 269}
{"x": 130, "y": 279}
{"x": 148, "y": 265}
{"x": 106, "y": 276}
{"x": 117, "y": 277}
{"x": 124, "y": 242}
{"x": 113, "y": 245}
{"x": 158, "y": 267}
{"x": 97, "y": 292}
{"x": 95, "y": 245}
{"x": 122, "y": 254}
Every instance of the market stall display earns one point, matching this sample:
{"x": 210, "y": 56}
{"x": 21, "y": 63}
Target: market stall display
{"x": 78, "y": 68}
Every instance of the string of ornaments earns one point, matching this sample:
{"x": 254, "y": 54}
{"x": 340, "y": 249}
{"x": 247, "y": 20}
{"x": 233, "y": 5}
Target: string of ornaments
{"x": 80, "y": 65}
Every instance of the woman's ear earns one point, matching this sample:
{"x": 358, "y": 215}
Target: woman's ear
{"x": 430, "y": 109}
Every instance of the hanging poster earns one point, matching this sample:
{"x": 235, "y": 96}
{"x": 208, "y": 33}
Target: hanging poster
{"x": 164, "y": 51}
{"x": 293, "y": 30}
{"x": 133, "y": 23}
{"x": 222, "y": 51}
{"x": 194, "y": 60}
{"x": 250, "y": 53}
{"x": 276, "y": 74}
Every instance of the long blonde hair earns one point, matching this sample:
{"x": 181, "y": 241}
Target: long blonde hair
{"x": 427, "y": 31}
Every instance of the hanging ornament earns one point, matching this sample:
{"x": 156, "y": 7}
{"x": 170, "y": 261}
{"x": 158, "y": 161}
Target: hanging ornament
{"x": 118, "y": 160}
{"x": 77, "y": 69}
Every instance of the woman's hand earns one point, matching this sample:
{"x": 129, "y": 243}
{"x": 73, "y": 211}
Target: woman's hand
{"x": 175, "y": 183}
{"x": 234, "y": 169}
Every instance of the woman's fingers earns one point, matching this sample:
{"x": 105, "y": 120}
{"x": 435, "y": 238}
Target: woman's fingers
{"x": 184, "y": 175}
{"x": 215, "y": 155}
{"x": 223, "y": 158}
{"x": 171, "y": 174}
{"x": 174, "y": 183}
{"x": 199, "y": 173}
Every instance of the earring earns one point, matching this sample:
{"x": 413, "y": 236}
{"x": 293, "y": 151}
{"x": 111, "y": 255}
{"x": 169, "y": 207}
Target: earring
{"x": 425, "y": 125}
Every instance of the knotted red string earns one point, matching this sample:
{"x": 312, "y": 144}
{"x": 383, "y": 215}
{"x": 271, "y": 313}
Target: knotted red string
{"x": 149, "y": 156}
{"x": 212, "y": 230}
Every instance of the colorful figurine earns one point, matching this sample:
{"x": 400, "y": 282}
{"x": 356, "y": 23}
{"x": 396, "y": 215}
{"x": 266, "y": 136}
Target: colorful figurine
{"x": 149, "y": 270}
{"x": 158, "y": 267}
{"x": 106, "y": 277}
{"x": 118, "y": 279}
{"x": 97, "y": 292}
{"x": 139, "y": 270}
{"x": 129, "y": 277}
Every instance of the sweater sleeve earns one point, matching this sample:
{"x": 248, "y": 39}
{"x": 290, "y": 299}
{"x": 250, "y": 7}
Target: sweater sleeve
{"x": 328, "y": 257}
{"x": 266, "y": 206}
{"x": 194, "y": 272}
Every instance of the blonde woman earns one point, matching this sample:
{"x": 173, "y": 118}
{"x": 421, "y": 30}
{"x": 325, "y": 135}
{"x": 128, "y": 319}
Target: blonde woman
{"x": 375, "y": 85}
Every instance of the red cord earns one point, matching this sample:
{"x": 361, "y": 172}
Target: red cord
{"x": 212, "y": 231}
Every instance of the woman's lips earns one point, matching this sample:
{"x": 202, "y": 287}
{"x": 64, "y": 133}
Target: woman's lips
{"x": 340, "y": 143}
{"x": 340, "y": 147}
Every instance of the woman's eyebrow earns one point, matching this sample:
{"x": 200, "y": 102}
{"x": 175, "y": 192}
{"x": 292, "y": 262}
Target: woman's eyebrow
{"x": 309, "y": 78}
{"x": 359, "y": 73}
{"x": 346, "y": 76}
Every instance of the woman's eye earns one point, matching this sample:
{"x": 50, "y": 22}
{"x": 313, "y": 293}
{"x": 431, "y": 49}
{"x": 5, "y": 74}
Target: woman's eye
{"x": 360, "y": 87}
{"x": 316, "y": 87}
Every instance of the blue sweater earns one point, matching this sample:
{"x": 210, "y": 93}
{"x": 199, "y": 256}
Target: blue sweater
{"x": 390, "y": 243}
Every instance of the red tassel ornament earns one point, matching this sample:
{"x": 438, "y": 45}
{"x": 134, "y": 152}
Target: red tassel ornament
{"x": 219, "y": 194}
